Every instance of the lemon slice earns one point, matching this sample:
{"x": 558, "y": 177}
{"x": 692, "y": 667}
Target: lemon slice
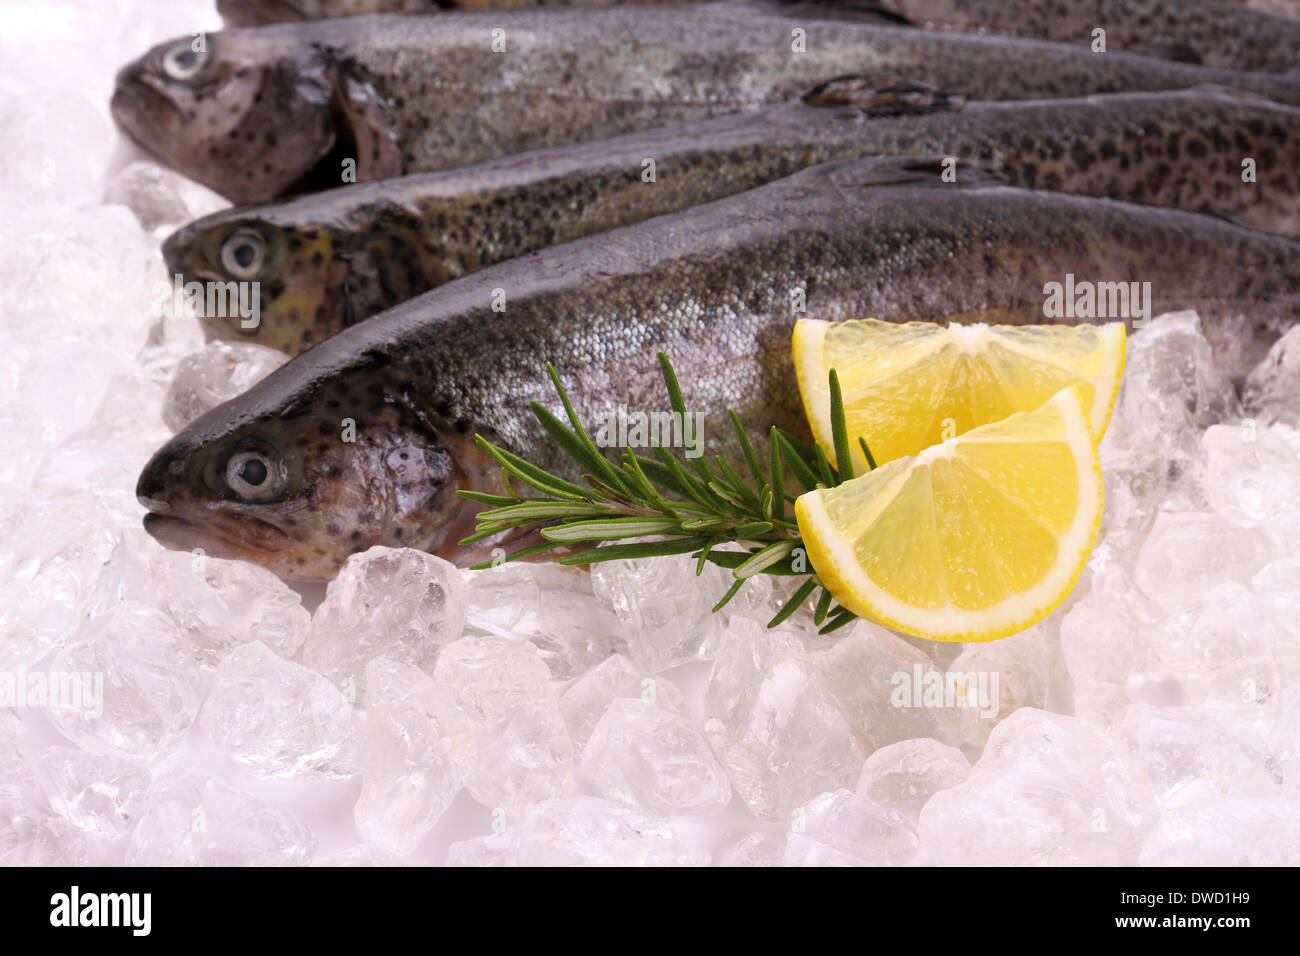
{"x": 971, "y": 540}
{"x": 909, "y": 386}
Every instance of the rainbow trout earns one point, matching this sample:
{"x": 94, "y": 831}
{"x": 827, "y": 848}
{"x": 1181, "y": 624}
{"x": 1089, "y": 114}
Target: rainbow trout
{"x": 251, "y": 13}
{"x": 364, "y": 439}
{"x": 326, "y": 261}
{"x": 263, "y": 112}
{"x": 1211, "y": 32}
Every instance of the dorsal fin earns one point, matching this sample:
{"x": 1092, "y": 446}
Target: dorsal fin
{"x": 869, "y": 11}
{"x": 903, "y": 98}
{"x": 923, "y": 170}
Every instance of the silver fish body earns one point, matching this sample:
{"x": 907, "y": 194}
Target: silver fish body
{"x": 264, "y": 112}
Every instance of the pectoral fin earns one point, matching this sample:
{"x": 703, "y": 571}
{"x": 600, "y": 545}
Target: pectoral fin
{"x": 371, "y": 129}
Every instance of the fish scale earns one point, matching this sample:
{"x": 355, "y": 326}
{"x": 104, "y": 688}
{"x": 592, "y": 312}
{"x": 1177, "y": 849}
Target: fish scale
{"x": 1211, "y": 32}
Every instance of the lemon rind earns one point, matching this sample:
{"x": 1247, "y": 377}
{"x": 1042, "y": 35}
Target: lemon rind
{"x": 837, "y": 565}
{"x": 811, "y": 376}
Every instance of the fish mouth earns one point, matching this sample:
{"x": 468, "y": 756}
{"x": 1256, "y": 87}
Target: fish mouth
{"x": 221, "y": 535}
{"x": 142, "y": 113}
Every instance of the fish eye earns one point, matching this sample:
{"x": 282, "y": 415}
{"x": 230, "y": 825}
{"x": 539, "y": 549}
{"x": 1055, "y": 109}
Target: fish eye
{"x": 254, "y": 476}
{"x": 183, "y": 63}
{"x": 243, "y": 254}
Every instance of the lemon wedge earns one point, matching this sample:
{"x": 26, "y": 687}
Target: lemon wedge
{"x": 912, "y": 385}
{"x": 972, "y": 539}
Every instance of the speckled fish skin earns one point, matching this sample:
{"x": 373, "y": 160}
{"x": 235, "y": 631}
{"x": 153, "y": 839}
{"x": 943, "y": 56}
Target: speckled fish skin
{"x": 251, "y": 13}
{"x": 1211, "y": 32}
{"x": 333, "y": 259}
{"x": 274, "y": 110}
{"x": 715, "y": 288}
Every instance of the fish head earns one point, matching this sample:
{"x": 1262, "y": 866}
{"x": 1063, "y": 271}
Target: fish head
{"x": 248, "y": 113}
{"x": 297, "y": 264}
{"x": 299, "y": 488}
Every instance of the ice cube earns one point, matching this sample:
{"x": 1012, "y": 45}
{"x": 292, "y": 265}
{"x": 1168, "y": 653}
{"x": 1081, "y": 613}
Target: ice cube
{"x": 193, "y": 819}
{"x": 103, "y": 796}
{"x": 391, "y": 602}
{"x": 498, "y": 849}
{"x": 1252, "y": 475}
{"x": 11, "y": 734}
{"x": 489, "y": 676}
{"x": 585, "y": 700}
{"x": 150, "y": 192}
{"x": 30, "y": 833}
{"x": 278, "y": 718}
{"x": 54, "y": 280}
{"x": 655, "y": 761}
{"x": 1277, "y": 585}
{"x": 37, "y": 411}
{"x": 34, "y": 836}
{"x": 880, "y": 682}
{"x": 580, "y": 831}
{"x": 221, "y": 604}
{"x": 217, "y": 604}
{"x": 1284, "y": 742}
{"x": 141, "y": 689}
{"x": 844, "y": 829}
{"x": 1272, "y": 391}
{"x": 1172, "y": 370}
{"x": 526, "y": 758}
{"x": 362, "y": 855}
{"x": 552, "y": 606}
{"x": 665, "y": 608}
{"x": 1101, "y": 641}
{"x": 1049, "y": 789}
{"x": 1227, "y": 832}
{"x": 754, "y": 599}
{"x": 757, "y": 848}
{"x": 1225, "y": 646}
{"x": 216, "y": 373}
{"x": 160, "y": 198}
{"x": 903, "y": 776}
{"x": 129, "y": 416}
{"x": 48, "y": 569}
{"x": 1217, "y": 748}
{"x": 408, "y": 774}
{"x": 63, "y": 143}
{"x": 1172, "y": 390}
{"x": 998, "y": 677}
{"x": 1188, "y": 553}
{"x": 780, "y": 735}
{"x": 1135, "y": 487}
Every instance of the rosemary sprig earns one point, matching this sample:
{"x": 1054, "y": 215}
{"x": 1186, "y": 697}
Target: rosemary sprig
{"x": 692, "y": 508}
